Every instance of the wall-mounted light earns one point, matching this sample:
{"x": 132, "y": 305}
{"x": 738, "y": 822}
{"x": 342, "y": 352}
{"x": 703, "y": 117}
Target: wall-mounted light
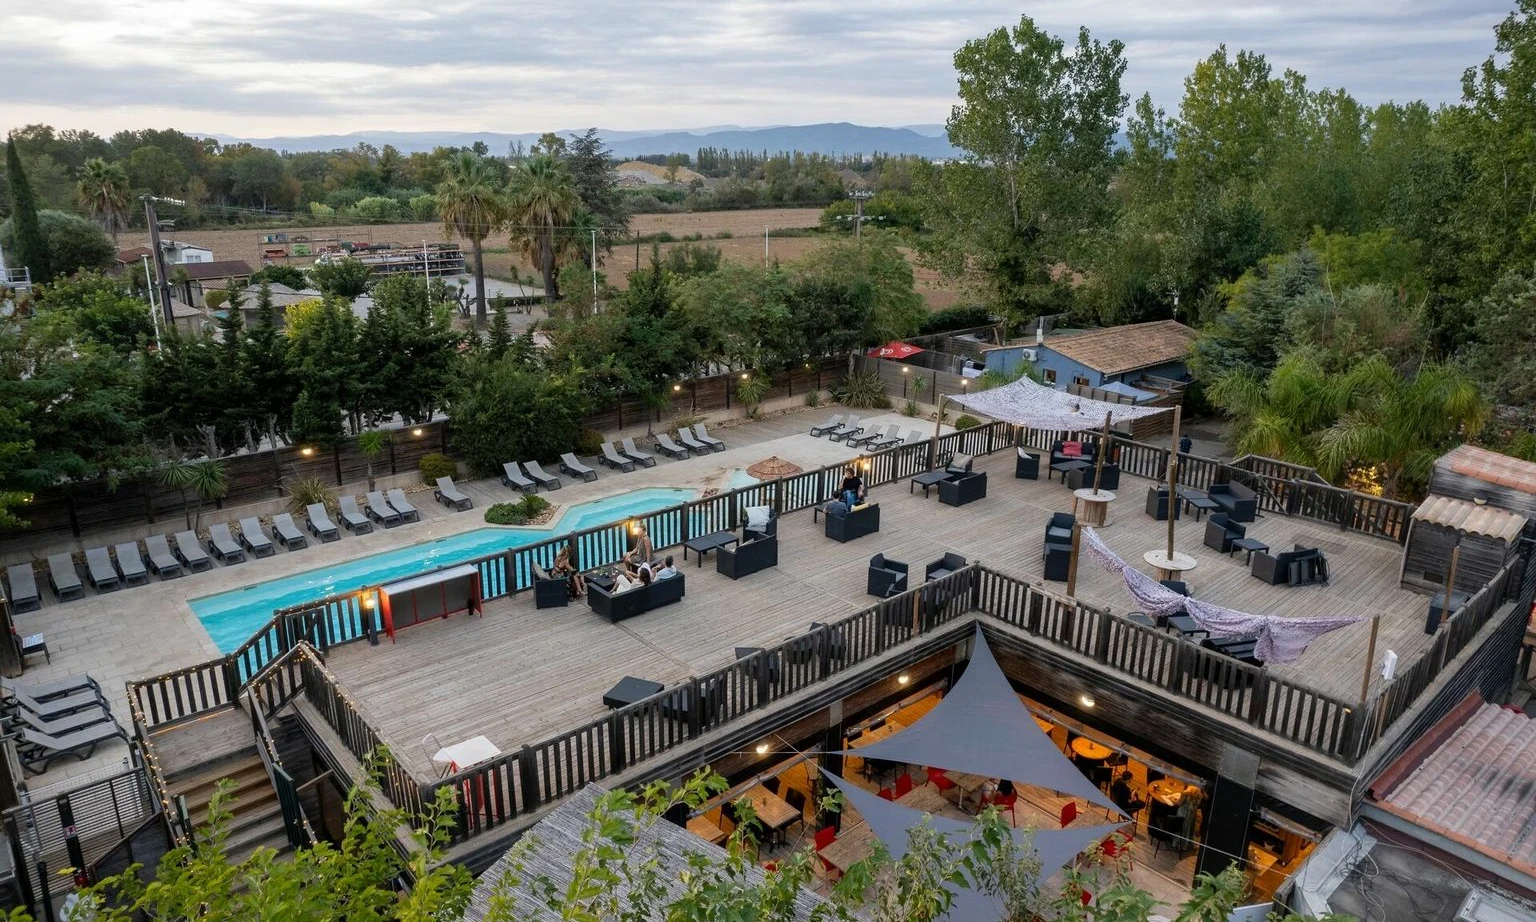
{"x": 762, "y": 749}
{"x": 416, "y": 432}
{"x": 634, "y": 527}
{"x": 906, "y": 368}
{"x": 1086, "y": 701}
{"x": 676, "y": 388}
{"x": 369, "y": 601}
{"x": 903, "y": 679}
{"x": 745, "y": 376}
{"x": 965, "y": 382}
{"x": 306, "y": 451}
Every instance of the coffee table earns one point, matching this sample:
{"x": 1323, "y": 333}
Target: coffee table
{"x": 1198, "y": 500}
{"x": 1250, "y": 545}
{"x": 1169, "y": 567}
{"x": 927, "y": 481}
{"x": 629, "y": 690}
{"x": 1095, "y": 505}
{"x": 706, "y": 543}
{"x": 1067, "y": 467}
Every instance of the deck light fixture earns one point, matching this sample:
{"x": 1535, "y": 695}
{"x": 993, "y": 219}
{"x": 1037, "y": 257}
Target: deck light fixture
{"x": 1087, "y": 701}
{"x": 306, "y": 451}
{"x": 677, "y": 388}
{"x": 744, "y": 376}
{"x": 762, "y": 749}
{"x": 369, "y": 601}
{"x": 416, "y": 432}
{"x": 903, "y": 679}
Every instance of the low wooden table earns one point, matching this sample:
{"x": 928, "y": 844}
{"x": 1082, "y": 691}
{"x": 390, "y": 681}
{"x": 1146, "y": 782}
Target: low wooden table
{"x": 773, "y": 811}
{"x": 706, "y": 829}
{"x": 1169, "y": 567}
{"x": 1095, "y": 505}
{"x": 1088, "y": 749}
{"x": 851, "y": 846}
{"x": 1250, "y": 545}
{"x": 928, "y": 481}
{"x": 706, "y": 543}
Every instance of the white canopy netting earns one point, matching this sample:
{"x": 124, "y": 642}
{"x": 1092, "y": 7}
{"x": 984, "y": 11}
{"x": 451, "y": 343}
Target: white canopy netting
{"x": 1026, "y": 403}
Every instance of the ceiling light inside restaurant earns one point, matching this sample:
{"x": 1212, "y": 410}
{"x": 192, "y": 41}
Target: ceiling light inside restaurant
{"x": 762, "y": 749}
{"x": 1087, "y": 701}
{"x": 903, "y": 679}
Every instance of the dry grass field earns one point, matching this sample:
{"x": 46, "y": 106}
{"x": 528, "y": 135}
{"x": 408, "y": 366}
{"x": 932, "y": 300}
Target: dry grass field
{"x": 744, "y": 245}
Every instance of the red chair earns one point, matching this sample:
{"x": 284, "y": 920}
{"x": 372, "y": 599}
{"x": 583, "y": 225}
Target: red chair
{"x": 903, "y": 785}
{"x": 771, "y": 866}
{"x": 824, "y": 837}
{"x": 1087, "y": 897}
{"x": 887, "y": 793}
{"x": 1007, "y": 802}
{"x": 938, "y": 779}
{"x": 1068, "y": 813}
{"x": 1114, "y": 847}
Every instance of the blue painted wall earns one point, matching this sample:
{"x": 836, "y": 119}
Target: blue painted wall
{"x": 1008, "y": 358}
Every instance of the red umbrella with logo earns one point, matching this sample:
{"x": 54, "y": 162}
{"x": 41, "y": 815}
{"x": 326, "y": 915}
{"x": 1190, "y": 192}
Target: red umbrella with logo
{"x": 895, "y": 350}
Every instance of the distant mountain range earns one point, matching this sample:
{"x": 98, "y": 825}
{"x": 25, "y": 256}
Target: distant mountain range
{"x": 829, "y": 138}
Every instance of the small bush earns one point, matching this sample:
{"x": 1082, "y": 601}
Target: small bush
{"x": 861, "y": 391}
{"x": 813, "y": 398}
{"x": 954, "y": 318}
{"x": 535, "y": 505}
{"x": 910, "y": 409}
{"x": 306, "y": 491}
{"x": 522, "y": 512}
{"x": 436, "y": 465}
{"x": 967, "y": 422}
{"x": 589, "y": 442}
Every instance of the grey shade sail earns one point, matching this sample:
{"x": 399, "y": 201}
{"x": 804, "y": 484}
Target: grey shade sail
{"x": 982, "y": 728}
{"x": 892, "y": 822}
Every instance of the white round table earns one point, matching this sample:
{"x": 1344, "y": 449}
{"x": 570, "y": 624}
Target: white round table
{"x": 1169, "y": 567}
{"x": 1095, "y": 505}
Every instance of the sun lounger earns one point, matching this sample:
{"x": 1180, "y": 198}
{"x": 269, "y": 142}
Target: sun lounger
{"x": 702, "y": 434}
{"x": 379, "y": 510}
{"x": 320, "y": 524}
{"x": 66, "y": 723}
{"x": 880, "y": 443}
{"x": 868, "y": 433}
{"x": 614, "y": 460}
{"x": 38, "y": 750}
{"x": 23, "y": 588}
{"x": 685, "y": 435}
{"x": 255, "y": 539}
{"x": 448, "y": 494}
{"x": 572, "y": 465}
{"x": 512, "y": 476}
{"x": 63, "y": 579}
{"x": 829, "y": 425}
{"x": 642, "y": 458}
{"x": 914, "y": 437}
{"x": 845, "y": 430}
{"x": 99, "y": 570}
{"x": 130, "y": 565}
{"x": 538, "y": 473}
{"x": 352, "y": 518}
{"x": 671, "y": 449}
{"x": 54, "y": 708}
{"x": 287, "y": 533}
{"x": 47, "y": 691}
{"x": 400, "y": 504}
{"x": 223, "y": 544}
{"x": 191, "y": 553}
{"x": 161, "y": 560}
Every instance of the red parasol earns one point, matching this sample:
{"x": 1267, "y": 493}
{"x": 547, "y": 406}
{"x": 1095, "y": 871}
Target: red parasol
{"x": 895, "y": 350}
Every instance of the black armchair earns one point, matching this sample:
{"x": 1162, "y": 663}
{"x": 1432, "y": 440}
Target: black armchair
{"x": 748, "y": 533}
{"x": 886, "y": 577}
{"x": 1221, "y": 531}
{"x": 944, "y": 566}
{"x": 1059, "y": 528}
{"x": 1158, "y": 505}
{"x": 1302, "y": 566}
{"x": 1058, "y": 561}
{"x": 748, "y": 557}
{"x": 855, "y": 523}
{"x": 963, "y": 488}
{"x": 1027, "y": 467}
{"x": 1109, "y": 478}
{"x": 550, "y": 591}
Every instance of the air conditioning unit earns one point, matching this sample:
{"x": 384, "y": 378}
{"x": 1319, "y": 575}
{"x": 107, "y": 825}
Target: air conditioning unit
{"x": 1030, "y": 355}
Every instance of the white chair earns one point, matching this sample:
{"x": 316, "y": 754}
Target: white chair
{"x": 432, "y": 747}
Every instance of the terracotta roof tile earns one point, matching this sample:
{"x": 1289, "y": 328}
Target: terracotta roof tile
{"x": 1470, "y": 517}
{"x": 1116, "y": 350}
{"x": 1478, "y": 787}
{"x": 1491, "y": 467}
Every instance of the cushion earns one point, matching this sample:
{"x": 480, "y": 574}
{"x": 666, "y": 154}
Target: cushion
{"x": 757, "y": 517}
{"x": 1072, "y": 449}
{"x": 860, "y": 506}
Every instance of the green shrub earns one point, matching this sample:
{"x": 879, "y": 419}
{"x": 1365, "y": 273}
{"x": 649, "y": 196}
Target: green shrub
{"x": 813, "y": 398}
{"x": 437, "y": 465}
{"x": 861, "y": 391}
{"x": 306, "y": 491}
{"x": 534, "y": 505}
{"x": 967, "y": 422}
{"x": 518, "y": 513}
{"x": 910, "y": 409}
{"x": 589, "y": 442}
{"x": 954, "y": 318}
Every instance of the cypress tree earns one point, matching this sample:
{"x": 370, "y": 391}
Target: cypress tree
{"x": 31, "y": 246}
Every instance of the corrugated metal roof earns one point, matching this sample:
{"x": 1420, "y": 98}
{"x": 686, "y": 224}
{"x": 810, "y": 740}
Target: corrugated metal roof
{"x": 1470, "y": 517}
{"x": 1491, "y": 467}
{"x": 1478, "y": 787}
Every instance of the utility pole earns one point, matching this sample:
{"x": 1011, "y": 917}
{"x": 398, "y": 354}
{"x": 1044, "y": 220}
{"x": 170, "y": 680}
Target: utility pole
{"x": 859, "y": 196}
{"x": 162, "y": 277}
{"x": 154, "y": 315}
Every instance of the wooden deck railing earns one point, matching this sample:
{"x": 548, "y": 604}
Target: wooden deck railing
{"x": 152, "y": 770}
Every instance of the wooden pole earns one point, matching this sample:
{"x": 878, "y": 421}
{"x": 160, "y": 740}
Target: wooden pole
{"x": 1077, "y": 542}
{"x": 1370, "y": 660}
{"x": 1098, "y": 467}
{"x": 1173, "y": 477}
{"x": 1450, "y": 583}
{"x": 933, "y": 446}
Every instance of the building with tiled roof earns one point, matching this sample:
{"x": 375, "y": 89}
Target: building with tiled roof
{"x": 1123, "y": 354}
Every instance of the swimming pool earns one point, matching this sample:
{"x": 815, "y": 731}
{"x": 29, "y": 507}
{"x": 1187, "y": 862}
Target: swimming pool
{"x": 230, "y": 618}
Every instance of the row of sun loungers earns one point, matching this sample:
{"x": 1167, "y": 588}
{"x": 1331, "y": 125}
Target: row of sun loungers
{"x": 849, "y": 429}
{"x": 49, "y": 721}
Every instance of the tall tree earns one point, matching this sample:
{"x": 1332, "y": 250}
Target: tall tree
{"x": 472, "y": 206}
{"x": 596, "y": 179}
{"x": 542, "y": 200}
{"x": 30, "y": 247}
{"x": 265, "y": 359}
{"x": 104, "y": 194}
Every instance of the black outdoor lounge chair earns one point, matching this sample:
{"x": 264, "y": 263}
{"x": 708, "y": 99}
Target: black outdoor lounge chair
{"x": 642, "y": 458}
{"x": 190, "y": 552}
{"x": 671, "y": 449}
{"x": 38, "y": 750}
{"x": 223, "y": 544}
{"x": 614, "y": 460}
{"x": 380, "y": 511}
{"x": 287, "y": 533}
{"x": 546, "y": 480}
{"x": 63, "y": 579}
{"x": 99, "y": 570}
{"x": 352, "y": 518}
{"x": 512, "y": 476}
{"x": 83, "y": 699}
{"x": 448, "y": 494}
{"x": 572, "y": 465}
{"x": 130, "y": 566}
{"x": 320, "y": 524}
{"x": 835, "y": 422}
{"x": 255, "y": 539}
{"x": 398, "y": 502}
{"x": 23, "y": 588}
{"x": 685, "y": 435}
{"x": 161, "y": 560}
{"x": 702, "y": 434}
{"x": 49, "y": 691}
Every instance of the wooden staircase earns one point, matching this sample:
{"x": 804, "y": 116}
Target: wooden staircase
{"x": 256, "y": 817}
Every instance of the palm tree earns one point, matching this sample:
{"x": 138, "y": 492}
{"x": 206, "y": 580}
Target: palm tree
{"x": 472, "y": 206}
{"x": 542, "y": 202}
{"x": 104, "y": 194}
{"x": 206, "y": 478}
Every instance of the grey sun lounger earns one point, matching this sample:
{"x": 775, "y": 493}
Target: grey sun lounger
{"x": 47, "y": 691}
{"x": 702, "y": 434}
{"x": 255, "y": 539}
{"x": 352, "y": 518}
{"x": 65, "y": 723}
{"x": 512, "y": 476}
{"x": 671, "y": 449}
{"x": 880, "y": 443}
{"x": 223, "y": 544}
{"x": 63, "y": 579}
{"x": 831, "y": 424}
{"x": 130, "y": 565}
{"x": 161, "y": 561}
{"x": 572, "y": 465}
{"x": 320, "y": 524}
{"x": 448, "y": 494}
{"x": 287, "y": 533}
{"x": 868, "y": 433}
{"x": 539, "y": 474}
{"x": 38, "y": 750}
{"x": 642, "y": 458}
{"x": 191, "y": 553}
{"x": 23, "y": 588}
{"x": 685, "y": 435}
{"x": 400, "y": 504}
{"x": 914, "y": 437}
{"x": 380, "y": 511}
{"x": 99, "y": 570}
{"x": 54, "y": 708}
{"x": 614, "y": 460}
{"x": 845, "y": 430}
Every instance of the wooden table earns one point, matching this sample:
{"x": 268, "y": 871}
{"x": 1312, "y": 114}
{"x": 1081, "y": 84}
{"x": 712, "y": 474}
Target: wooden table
{"x": 705, "y": 828}
{"x": 927, "y": 798}
{"x": 469, "y": 753}
{"x": 851, "y": 846}
{"x": 1169, "y": 567}
{"x": 965, "y": 783}
{"x": 1088, "y": 749}
{"x": 1095, "y": 505}
{"x": 1168, "y": 791}
{"x": 874, "y": 736}
{"x": 773, "y": 811}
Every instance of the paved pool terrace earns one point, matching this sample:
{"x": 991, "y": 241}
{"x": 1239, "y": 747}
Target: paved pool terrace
{"x": 143, "y": 631}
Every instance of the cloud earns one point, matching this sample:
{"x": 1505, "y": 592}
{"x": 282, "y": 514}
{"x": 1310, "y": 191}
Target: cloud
{"x": 296, "y": 67}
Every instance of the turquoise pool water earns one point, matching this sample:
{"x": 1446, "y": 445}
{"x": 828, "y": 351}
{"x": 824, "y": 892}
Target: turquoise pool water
{"x": 232, "y": 617}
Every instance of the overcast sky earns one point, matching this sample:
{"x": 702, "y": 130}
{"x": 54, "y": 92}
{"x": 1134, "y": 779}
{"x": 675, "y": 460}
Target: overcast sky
{"x": 269, "y": 67}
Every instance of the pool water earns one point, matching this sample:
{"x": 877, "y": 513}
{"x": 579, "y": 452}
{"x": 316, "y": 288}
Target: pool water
{"x": 232, "y": 617}
{"x": 738, "y": 478}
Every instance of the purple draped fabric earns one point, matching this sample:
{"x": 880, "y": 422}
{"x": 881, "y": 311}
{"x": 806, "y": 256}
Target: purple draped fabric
{"x": 1280, "y": 640}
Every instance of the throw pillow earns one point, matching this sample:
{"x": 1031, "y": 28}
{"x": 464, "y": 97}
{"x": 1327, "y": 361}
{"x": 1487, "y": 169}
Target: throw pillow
{"x": 757, "y": 517}
{"x": 1072, "y": 449}
{"x": 860, "y": 506}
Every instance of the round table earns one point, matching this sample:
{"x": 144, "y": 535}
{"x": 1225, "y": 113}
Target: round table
{"x": 1167, "y": 791}
{"x": 1169, "y": 567}
{"x": 1095, "y": 505}
{"x": 1090, "y": 750}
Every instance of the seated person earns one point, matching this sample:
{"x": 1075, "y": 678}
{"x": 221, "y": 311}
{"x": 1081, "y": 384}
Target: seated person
{"x": 642, "y": 552}
{"x": 639, "y": 570}
{"x": 1124, "y": 796}
{"x": 624, "y": 583}
{"x": 836, "y": 506}
{"x": 566, "y": 566}
{"x": 667, "y": 569}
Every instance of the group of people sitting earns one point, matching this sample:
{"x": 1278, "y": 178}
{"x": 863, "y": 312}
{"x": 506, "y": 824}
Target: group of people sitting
{"x": 637, "y": 568}
{"x": 850, "y": 494}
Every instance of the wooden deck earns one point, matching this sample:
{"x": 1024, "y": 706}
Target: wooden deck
{"x": 519, "y": 675}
